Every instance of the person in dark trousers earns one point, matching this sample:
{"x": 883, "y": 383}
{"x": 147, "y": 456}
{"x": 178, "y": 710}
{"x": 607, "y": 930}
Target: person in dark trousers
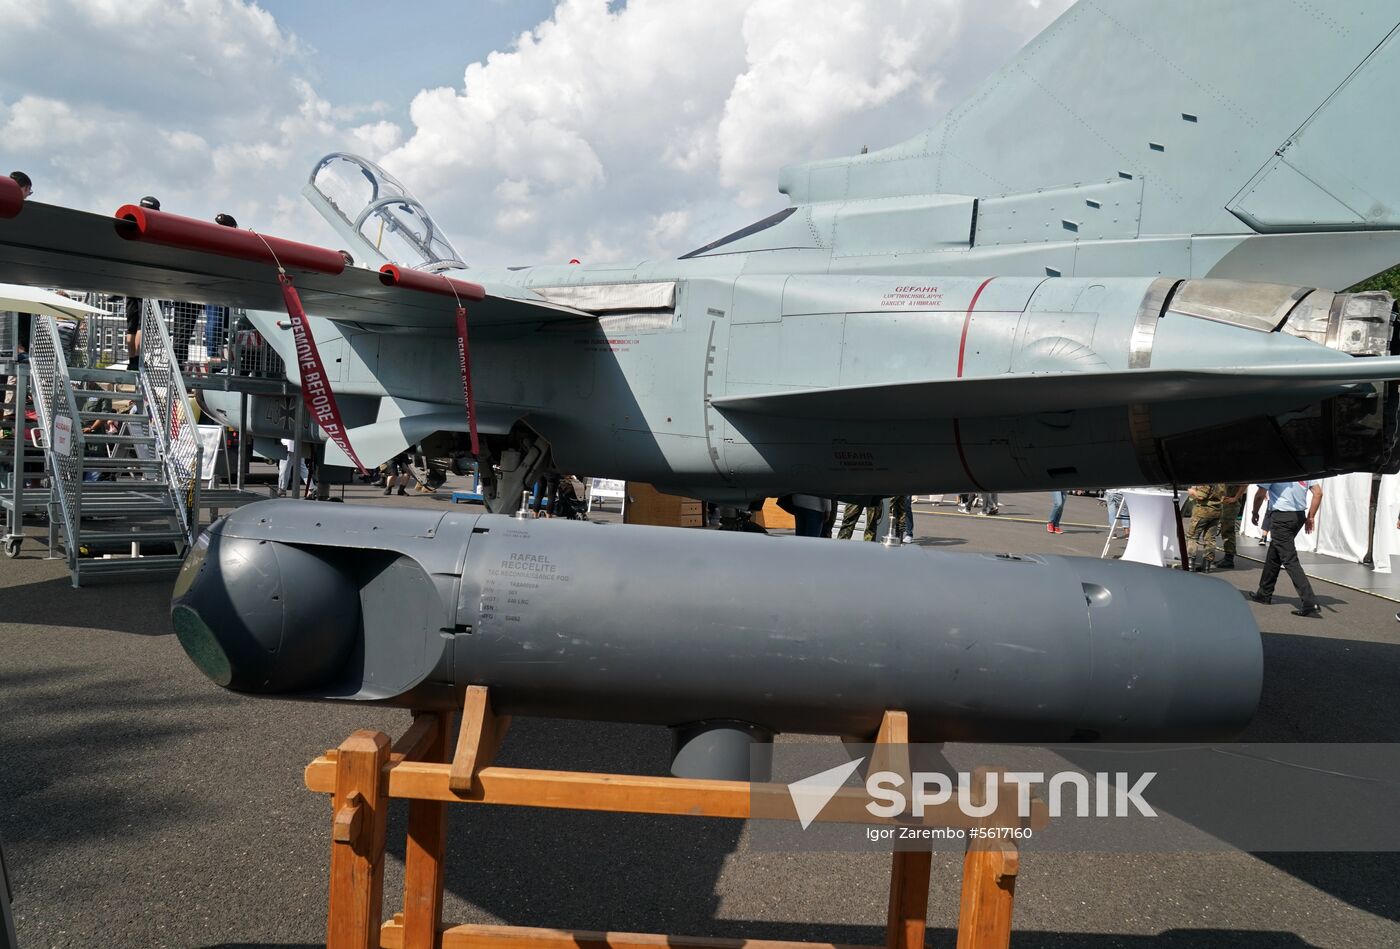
{"x": 134, "y": 306}
{"x": 808, "y": 513}
{"x": 182, "y": 319}
{"x": 1294, "y": 505}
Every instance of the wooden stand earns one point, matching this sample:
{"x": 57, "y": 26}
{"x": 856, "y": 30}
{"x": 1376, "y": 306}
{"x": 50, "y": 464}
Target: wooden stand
{"x": 772, "y": 517}
{"x": 646, "y": 505}
{"x": 366, "y": 772}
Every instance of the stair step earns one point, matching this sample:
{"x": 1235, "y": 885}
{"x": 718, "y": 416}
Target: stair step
{"x": 123, "y": 439}
{"x": 126, "y": 509}
{"x": 151, "y": 488}
{"x": 82, "y": 395}
{"x": 128, "y": 536}
{"x": 110, "y": 416}
{"x": 108, "y": 464}
{"x": 104, "y": 566}
{"x": 115, "y": 376}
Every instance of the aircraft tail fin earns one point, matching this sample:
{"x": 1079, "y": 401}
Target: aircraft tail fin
{"x": 1143, "y": 121}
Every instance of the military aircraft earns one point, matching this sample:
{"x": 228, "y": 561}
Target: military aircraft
{"x": 1109, "y": 266}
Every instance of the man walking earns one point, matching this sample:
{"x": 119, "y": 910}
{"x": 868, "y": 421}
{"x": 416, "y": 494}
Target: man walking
{"x": 1294, "y": 505}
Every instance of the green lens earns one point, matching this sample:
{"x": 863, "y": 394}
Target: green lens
{"x": 201, "y": 645}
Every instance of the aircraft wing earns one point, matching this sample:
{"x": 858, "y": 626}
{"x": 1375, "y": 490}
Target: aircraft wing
{"x": 1020, "y": 393}
{"x": 49, "y": 246}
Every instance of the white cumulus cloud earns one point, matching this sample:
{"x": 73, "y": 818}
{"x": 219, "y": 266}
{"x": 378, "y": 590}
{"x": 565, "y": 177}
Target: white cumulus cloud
{"x": 608, "y": 132}
{"x": 647, "y": 129}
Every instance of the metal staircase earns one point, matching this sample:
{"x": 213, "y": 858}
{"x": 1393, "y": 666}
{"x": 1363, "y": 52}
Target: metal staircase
{"x": 21, "y": 458}
{"x": 126, "y": 492}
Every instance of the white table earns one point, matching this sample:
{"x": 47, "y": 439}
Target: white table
{"x": 1154, "y": 515}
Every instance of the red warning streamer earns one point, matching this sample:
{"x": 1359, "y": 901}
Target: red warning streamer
{"x": 391, "y": 275}
{"x": 464, "y": 363}
{"x": 315, "y": 390}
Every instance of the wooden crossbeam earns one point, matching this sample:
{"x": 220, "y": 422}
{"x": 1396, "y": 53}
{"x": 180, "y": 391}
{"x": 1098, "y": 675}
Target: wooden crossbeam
{"x": 365, "y": 772}
{"x": 414, "y": 744}
{"x": 526, "y": 937}
{"x": 628, "y": 794}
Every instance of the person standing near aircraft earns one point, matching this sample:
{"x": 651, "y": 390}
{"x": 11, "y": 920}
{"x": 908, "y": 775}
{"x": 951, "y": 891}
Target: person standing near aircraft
{"x": 809, "y": 514}
{"x": 902, "y": 512}
{"x": 1057, "y": 510}
{"x": 134, "y": 306}
{"x": 1209, "y": 500}
{"x": 1230, "y": 521}
{"x": 851, "y": 514}
{"x": 397, "y": 474}
{"x": 1294, "y": 504}
{"x": 182, "y": 318}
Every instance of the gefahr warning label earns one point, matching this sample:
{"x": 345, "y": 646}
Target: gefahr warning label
{"x": 913, "y": 296}
{"x": 511, "y": 586}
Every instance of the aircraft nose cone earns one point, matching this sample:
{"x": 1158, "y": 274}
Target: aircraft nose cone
{"x": 260, "y": 616}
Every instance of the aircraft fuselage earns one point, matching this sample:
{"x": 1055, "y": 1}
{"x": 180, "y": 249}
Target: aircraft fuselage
{"x": 633, "y": 395}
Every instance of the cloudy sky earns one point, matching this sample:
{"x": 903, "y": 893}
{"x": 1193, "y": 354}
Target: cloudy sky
{"x": 534, "y": 131}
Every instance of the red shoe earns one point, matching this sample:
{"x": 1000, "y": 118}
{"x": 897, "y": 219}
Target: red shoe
{"x": 1053, "y": 529}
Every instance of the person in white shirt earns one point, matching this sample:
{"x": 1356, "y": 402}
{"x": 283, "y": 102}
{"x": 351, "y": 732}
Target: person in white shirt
{"x": 1294, "y": 505}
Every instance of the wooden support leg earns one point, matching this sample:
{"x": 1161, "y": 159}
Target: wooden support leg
{"x": 361, "y": 806}
{"x": 909, "y": 871}
{"x": 426, "y": 850}
{"x": 478, "y": 741}
{"x": 988, "y": 885}
{"x": 891, "y": 751}
{"x": 909, "y": 876}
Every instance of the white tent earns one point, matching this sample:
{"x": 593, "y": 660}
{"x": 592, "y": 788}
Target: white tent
{"x": 23, "y": 299}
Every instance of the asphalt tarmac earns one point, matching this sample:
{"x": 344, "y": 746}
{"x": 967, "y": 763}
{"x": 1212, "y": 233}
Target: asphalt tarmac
{"x": 140, "y": 805}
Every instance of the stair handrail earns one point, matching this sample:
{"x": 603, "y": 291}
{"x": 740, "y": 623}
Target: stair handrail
{"x": 170, "y": 418}
{"x": 54, "y": 400}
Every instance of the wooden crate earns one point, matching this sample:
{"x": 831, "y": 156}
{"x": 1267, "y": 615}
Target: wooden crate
{"x": 773, "y": 517}
{"x": 646, "y": 505}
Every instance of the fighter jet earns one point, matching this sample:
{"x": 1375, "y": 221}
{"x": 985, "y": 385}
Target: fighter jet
{"x": 1114, "y": 264}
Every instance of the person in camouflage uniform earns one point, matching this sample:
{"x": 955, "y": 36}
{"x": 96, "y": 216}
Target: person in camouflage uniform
{"x": 851, "y": 514}
{"x": 1230, "y": 521}
{"x": 1208, "y": 502}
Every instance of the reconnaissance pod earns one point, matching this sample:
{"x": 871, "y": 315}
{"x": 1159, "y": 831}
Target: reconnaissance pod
{"x": 726, "y": 638}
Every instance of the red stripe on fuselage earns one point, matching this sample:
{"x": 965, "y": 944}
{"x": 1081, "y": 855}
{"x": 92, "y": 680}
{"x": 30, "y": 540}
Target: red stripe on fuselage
{"x": 962, "y": 350}
{"x": 967, "y": 321}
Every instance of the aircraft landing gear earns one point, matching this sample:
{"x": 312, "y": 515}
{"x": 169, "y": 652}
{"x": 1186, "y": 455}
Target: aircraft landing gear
{"x": 740, "y": 519}
{"x": 505, "y": 477}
